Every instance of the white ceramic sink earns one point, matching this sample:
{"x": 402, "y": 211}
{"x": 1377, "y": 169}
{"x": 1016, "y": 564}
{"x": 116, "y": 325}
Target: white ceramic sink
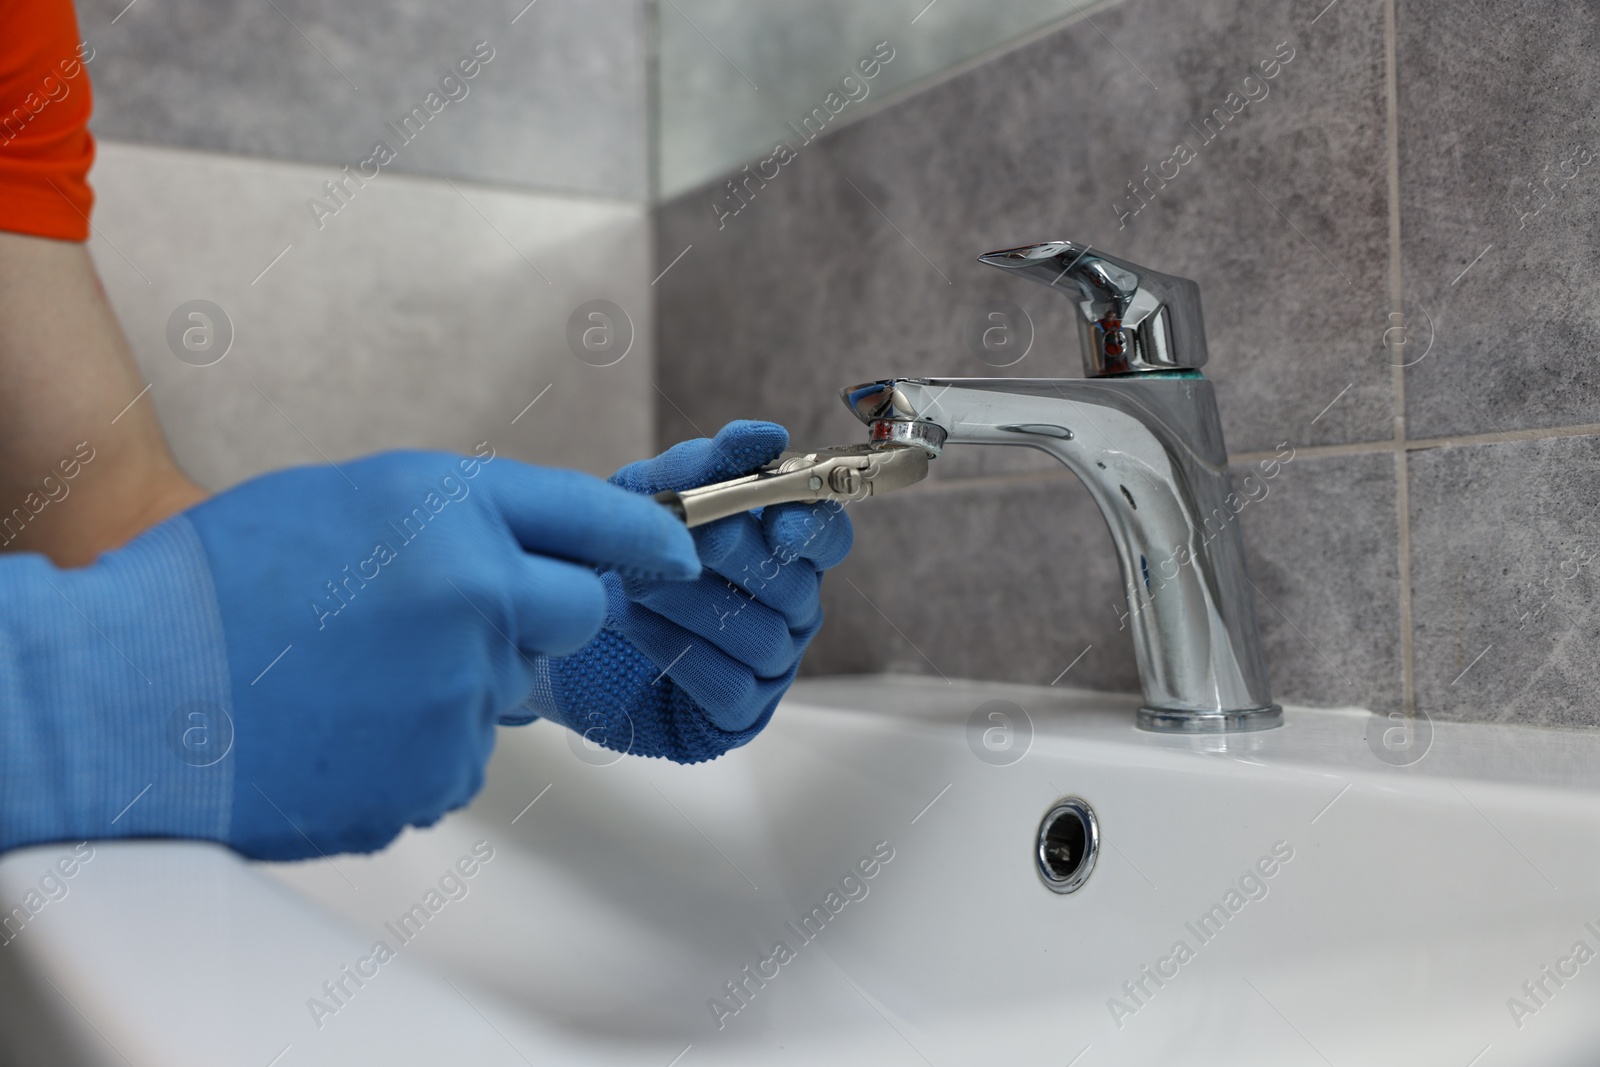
{"x": 1415, "y": 901}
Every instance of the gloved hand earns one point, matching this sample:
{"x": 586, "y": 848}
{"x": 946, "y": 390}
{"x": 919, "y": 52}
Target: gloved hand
{"x": 312, "y": 661}
{"x": 688, "y": 670}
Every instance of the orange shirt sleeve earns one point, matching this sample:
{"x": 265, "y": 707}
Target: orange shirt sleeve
{"x": 45, "y": 145}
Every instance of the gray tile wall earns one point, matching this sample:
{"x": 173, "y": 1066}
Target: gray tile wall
{"x": 1430, "y": 514}
{"x": 730, "y": 73}
{"x": 1506, "y": 568}
{"x": 561, "y": 105}
{"x": 1500, "y": 159}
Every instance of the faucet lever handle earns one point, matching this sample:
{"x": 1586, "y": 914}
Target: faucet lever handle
{"x": 1132, "y": 319}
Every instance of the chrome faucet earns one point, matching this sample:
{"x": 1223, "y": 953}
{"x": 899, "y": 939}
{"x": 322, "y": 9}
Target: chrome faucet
{"x": 1142, "y": 432}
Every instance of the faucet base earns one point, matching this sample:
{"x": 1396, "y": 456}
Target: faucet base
{"x": 1161, "y": 721}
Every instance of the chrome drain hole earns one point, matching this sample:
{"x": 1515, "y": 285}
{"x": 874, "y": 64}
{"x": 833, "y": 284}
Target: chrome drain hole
{"x": 1069, "y": 842}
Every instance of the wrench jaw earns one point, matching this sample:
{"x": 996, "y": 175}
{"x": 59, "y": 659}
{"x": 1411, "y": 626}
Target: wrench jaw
{"x": 850, "y": 473}
{"x": 897, "y": 467}
{"x": 842, "y": 474}
{"x": 845, "y": 474}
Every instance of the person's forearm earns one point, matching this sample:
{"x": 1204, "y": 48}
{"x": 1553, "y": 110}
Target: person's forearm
{"x": 67, "y": 378}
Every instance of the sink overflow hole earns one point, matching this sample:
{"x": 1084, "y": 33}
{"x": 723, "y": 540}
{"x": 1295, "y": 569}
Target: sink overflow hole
{"x": 1069, "y": 842}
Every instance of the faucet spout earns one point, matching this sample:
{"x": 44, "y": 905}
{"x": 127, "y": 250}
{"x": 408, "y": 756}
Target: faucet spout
{"x": 1150, "y": 450}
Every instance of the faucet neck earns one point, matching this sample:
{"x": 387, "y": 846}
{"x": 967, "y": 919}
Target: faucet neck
{"x": 1149, "y": 448}
{"x": 1143, "y": 434}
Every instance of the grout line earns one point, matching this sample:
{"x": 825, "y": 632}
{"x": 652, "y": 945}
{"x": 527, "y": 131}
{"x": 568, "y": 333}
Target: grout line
{"x": 1422, "y": 444}
{"x": 1502, "y": 436}
{"x": 1402, "y": 483}
{"x": 1355, "y": 448}
{"x": 1407, "y": 645}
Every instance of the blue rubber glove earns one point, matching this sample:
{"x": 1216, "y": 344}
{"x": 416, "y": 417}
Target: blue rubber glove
{"x": 688, "y": 670}
{"x": 299, "y": 666}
